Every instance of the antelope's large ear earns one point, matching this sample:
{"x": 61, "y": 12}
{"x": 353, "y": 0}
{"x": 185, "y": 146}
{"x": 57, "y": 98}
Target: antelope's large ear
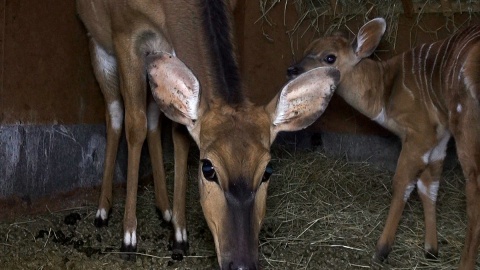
{"x": 174, "y": 87}
{"x": 302, "y": 100}
{"x": 369, "y": 37}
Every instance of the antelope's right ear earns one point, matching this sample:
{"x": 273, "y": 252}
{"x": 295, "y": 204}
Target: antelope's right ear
{"x": 174, "y": 87}
{"x": 302, "y": 100}
{"x": 369, "y": 37}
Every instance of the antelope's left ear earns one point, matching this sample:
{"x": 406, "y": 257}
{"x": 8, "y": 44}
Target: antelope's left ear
{"x": 302, "y": 100}
{"x": 174, "y": 87}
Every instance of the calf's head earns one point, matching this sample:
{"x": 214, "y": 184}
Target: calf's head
{"x": 234, "y": 142}
{"x": 339, "y": 52}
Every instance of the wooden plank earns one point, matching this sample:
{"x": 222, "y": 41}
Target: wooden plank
{"x": 408, "y": 8}
{"x": 336, "y": 7}
{"x": 2, "y": 54}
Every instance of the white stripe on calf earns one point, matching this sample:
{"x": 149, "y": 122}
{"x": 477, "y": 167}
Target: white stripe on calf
{"x": 431, "y": 191}
{"x": 408, "y": 191}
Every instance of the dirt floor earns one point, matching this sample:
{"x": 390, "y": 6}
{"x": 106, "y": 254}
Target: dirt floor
{"x": 322, "y": 214}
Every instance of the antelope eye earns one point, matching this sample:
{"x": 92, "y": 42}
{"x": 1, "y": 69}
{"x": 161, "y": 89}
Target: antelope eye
{"x": 268, "y": 172}
{"x": 208, "y": 170}
{"x": 330, "y": 59}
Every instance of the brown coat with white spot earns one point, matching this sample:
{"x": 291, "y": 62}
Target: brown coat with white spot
{"x": 185, "y": 49}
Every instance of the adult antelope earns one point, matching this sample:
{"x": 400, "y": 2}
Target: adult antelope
{"x": 133, "y": 39}
{"x": 425, "y": 96}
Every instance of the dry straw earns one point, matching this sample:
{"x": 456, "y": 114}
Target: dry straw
{"x": 327, "y": 16}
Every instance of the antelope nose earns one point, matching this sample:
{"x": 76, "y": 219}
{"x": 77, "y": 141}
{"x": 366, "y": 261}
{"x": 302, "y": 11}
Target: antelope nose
{"x": 293, "y": 71}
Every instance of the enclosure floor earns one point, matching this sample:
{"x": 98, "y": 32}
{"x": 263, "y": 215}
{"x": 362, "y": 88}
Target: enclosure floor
{"x": 322, "y": 213}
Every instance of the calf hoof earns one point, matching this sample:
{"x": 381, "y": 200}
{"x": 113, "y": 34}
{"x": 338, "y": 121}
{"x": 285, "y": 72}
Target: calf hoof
{"x": 179, "y": 249}
{"x": 101, "y": 218}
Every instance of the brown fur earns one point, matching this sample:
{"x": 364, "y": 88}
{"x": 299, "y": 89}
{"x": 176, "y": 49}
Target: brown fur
{"x": 167, "y": 41}
{"x": 424, "y": 96}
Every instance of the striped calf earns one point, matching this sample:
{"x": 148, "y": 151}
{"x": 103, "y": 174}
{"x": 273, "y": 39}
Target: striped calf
{"x": 185, "y": 49}
{"x": 425, "y": 96}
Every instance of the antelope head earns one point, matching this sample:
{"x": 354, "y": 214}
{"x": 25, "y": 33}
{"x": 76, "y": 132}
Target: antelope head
{"x": 234, "y": 141}
{"x": 339, "y": 52}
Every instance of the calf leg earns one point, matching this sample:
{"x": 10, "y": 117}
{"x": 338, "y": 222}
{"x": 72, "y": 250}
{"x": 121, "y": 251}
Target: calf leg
{"x": 427, "y": 187}
{"x": 410, "y": 165}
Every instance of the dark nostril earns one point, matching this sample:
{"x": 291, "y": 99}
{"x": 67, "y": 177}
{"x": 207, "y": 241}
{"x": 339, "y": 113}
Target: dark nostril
{"x": 293, "y": 70}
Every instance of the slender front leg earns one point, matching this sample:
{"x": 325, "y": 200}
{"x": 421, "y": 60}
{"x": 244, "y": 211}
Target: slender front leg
{"x": 427, "y": 186}
{"x": 409, "y": 166}
{"x": 133, "y": 89}
{"x": 105, "y": 69}
{"x": 181, "y": 142}
{"x": 156, "y": 157}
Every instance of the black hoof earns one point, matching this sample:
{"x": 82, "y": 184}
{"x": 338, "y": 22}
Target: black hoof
{"x": 99, "y": 222}
{"x": 179, "y": 249}
{"x": 128, "y": 252}
{"x": 381, "y": 254}
{"x": 163, "y": 222}
{"x": 431, "y": 255}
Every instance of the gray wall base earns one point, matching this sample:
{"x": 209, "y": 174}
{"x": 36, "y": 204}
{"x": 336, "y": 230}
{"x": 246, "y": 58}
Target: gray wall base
{"x": 382, "y": 152}
{"x": 38, "y": 160}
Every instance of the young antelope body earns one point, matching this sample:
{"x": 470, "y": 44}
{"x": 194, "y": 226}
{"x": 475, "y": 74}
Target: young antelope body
{"x": 185, "y": 49}
{"x": 425, "y": 96}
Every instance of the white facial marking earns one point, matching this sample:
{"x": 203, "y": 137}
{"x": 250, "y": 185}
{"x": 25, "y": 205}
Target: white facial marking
{"x": 431, "y": 191}
{"x": 101, "y": 213}
{"x": 153, "y": 116}
{"x": 459, "y": 108}
{"x": 381, "y": 118}
{"x": 116, "y": 115}
{"x": 408, "y": 191}
{"x": 167, "y": 215}
{"x": 130, "y": 238}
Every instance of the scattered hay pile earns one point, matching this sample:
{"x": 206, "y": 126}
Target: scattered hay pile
{"x": 322, "y": 213}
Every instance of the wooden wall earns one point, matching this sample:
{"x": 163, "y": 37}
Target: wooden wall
{"x": 46, "y": 76}
{"x": 267, "y": 51}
